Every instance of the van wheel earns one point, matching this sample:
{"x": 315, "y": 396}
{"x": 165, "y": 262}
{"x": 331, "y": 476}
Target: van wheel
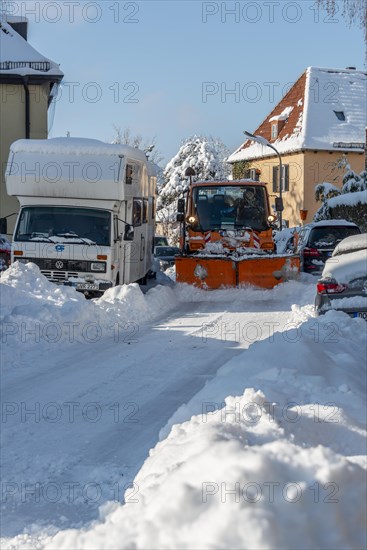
{"x": 143, "y": 280}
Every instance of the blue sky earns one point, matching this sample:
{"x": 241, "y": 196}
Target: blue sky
{"x": 166, "y": 69}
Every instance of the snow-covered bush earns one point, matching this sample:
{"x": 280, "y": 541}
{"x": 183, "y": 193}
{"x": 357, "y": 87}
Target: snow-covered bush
{"x": 349, "y": 204}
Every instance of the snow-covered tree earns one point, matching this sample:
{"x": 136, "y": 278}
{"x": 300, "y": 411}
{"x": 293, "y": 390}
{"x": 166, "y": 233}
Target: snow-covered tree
{"x": 206, "y": 155}
{"x": 350, "y": 203}
{"x": 326, "y": 190}
{"x": 353, "y": 182}
{"x": 126, "y": 137}
{"x": 353, "y": 11}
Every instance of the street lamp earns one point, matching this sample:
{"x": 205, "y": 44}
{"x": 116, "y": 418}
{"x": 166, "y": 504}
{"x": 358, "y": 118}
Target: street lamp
{"x": 279, "y": 200}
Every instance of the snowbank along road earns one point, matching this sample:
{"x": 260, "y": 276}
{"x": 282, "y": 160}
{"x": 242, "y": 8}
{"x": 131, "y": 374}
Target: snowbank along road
{"x": 139, "y": 420}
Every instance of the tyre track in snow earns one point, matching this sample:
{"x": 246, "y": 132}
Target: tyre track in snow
{"x": 136, "y": 387}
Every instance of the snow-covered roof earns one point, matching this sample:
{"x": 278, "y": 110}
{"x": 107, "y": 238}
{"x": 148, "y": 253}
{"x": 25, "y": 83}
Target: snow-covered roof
{"x": 324, "y": 110}
{"x": 75, "y": 146}
{"x": 18, "y": 57}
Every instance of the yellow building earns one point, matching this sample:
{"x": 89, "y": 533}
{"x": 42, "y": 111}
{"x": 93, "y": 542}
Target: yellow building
{"x": 317, "y": 128}
{"x": 28, "y": 81}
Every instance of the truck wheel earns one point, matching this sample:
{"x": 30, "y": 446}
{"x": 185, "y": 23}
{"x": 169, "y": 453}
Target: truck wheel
{"x": 143, "y": 280}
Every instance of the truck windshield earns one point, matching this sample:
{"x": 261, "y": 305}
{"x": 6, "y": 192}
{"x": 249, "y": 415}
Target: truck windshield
{"x": 63, "y": 224}
{"x": 230, "y": 207}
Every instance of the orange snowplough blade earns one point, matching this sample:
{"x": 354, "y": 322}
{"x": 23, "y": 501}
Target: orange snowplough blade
{"x": 212, "y": 273}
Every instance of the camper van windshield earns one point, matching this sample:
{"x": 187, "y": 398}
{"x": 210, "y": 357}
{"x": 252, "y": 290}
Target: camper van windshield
{"x": 62, "y": 224}
{"x": 230, "y": 207}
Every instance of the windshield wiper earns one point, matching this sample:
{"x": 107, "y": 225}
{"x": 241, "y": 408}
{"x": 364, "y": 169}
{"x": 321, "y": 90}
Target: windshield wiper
{"x": 74, "y": 236}
{"x": 35, "y": 236}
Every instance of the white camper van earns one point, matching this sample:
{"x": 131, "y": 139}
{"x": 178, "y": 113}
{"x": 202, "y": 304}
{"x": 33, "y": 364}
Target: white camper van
{"x": 87, "y": 211}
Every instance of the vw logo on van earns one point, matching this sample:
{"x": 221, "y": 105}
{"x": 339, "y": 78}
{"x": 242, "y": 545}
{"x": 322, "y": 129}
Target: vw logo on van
{"x": 60, "y": 248}
{"x": 59, "y": 264}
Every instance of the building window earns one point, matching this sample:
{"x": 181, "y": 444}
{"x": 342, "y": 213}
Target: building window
{"x": 285, "y": 178}
{"x": 252, "y": 174}
{"x": 274, "y": 130}
{"x": 340, "y": 115}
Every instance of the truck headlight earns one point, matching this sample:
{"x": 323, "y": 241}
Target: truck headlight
{"x": 98, "y": 266}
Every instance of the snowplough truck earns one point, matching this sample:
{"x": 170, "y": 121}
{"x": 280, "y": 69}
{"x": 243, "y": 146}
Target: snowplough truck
{"x": 227, "y": 237}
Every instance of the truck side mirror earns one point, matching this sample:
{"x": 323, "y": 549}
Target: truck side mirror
{"x": 180, "y": 217}
{"x": 3, "y": 226}
{"x": 129, "y": 232}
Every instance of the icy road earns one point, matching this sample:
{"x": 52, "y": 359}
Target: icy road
{"x": 89, "y": 388}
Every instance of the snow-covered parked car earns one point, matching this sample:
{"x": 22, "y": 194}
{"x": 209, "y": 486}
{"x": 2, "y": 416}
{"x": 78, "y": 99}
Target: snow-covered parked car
{"x": 343, "y": 284}
{"x": 317, "y": 241}
{"x": 165, "y": 255}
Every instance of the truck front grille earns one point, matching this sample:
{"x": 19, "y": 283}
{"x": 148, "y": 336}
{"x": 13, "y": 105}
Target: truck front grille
{"x": 60, "y": 266}
{"x": 58, "y": 276}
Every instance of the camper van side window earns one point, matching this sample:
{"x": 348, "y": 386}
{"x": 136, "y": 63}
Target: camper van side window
{"x": 153, "y": 208}
{"x": 145, "y": 211}
{"x": 137, "y": 212}
{"x": 129, "y": 174}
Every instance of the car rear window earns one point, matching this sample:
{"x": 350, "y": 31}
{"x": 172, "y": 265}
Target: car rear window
{"x": 166, "y": 251}
{"x": 328, "y": 237}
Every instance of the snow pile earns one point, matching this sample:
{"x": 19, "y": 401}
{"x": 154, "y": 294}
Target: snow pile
{"x": 272, "y": 444}
{"x": 29, "y": 299}
{"x": 275, "y": 446}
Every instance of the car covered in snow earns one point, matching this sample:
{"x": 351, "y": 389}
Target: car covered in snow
{"x": 343, "y": 284}
{"x": 165, "y": 255}
{"x": 160, "y": 240}
{"x": 317, "y": 241}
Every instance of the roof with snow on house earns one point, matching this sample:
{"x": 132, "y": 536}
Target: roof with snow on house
{"x": 324, "y": 110}
{"x": 18, "y": 57}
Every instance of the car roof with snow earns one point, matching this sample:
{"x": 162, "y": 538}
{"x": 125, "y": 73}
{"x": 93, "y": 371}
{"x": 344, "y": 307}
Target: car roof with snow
{"x": 351, "y": 244}
{"x": 328, "y": 223}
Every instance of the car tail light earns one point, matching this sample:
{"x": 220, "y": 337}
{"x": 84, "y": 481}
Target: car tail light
{"x": 311, "y": 252}
{"x": 330, "y": 288}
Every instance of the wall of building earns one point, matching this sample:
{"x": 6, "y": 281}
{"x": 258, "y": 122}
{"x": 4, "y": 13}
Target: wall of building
{"x": 12, "y": 127}
{"x": 293, "y": 199}
{"x": 306, "y": 170}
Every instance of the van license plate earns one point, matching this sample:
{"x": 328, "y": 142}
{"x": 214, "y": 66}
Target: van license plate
{"x": 86, "y": 286}
{"x": 361, "y": 315}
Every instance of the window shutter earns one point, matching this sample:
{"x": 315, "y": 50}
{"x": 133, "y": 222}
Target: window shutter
{"x": 275, "y": 179}
{"x": 285, "y": 177}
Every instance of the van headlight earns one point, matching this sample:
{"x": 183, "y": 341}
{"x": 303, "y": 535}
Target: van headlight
{"x": 98, "y": 266}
